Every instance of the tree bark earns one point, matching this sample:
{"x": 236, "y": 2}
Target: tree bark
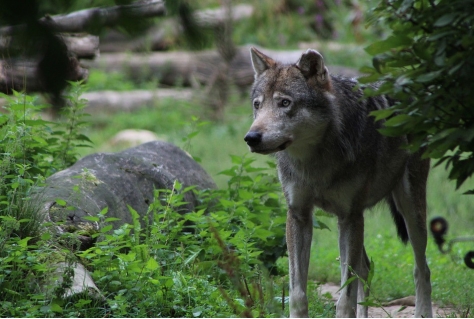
{"x": 160, "y": 37}
{"x": 82, "y": 46}
{"x": 22, "y": 75}
{"x": 83, "y": 20}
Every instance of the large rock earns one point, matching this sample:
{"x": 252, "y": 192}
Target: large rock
{"x": 115, "y": 180}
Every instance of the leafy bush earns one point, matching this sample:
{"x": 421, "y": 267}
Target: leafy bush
{"x": 207, "y": 263}
{"x": 178, "y": 264}
{"x": 33, "y": 149}
{"x": 426, "y": 63}
{"x": 217, "y": 261}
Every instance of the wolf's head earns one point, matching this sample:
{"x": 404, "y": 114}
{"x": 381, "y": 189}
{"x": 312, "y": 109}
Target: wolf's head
{"x": 292, "y": 104}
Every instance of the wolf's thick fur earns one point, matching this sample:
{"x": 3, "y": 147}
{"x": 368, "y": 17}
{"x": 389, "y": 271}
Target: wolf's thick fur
{"x": 330, "y": 155}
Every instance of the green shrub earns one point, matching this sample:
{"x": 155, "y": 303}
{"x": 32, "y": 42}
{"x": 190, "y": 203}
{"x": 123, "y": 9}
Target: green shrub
{"x": 426, "y": 64}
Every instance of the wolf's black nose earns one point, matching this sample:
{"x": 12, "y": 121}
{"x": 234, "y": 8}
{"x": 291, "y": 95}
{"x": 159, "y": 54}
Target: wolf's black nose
{"x": 253, "y": 138}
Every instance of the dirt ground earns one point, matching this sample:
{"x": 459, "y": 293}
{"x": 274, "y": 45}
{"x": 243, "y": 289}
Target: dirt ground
{"x": 400, "y": 308}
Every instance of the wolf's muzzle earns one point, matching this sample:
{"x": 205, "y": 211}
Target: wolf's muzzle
{"x": 253, "y": 138}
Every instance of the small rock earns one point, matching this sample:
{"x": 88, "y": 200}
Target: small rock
{"x": 133, "y": 137}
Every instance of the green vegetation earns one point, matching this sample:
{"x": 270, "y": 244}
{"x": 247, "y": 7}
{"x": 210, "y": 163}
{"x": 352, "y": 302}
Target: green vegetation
{"x": 426, "y": 63}
{"x": 225, "y": 251}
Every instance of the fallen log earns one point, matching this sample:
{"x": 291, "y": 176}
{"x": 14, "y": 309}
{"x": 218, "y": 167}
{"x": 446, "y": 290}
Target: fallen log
{"x": 113, "y": 101}
{"x": 192, "y": 68}
{"x": 83, "y": 20}
{"x": 82, "y": 46}
{"x": 161, "y": 36}
{"x": 24, "y": 75}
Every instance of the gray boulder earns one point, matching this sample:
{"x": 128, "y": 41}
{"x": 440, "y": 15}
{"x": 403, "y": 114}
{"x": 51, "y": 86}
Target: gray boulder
{"x": 115, "y": 180}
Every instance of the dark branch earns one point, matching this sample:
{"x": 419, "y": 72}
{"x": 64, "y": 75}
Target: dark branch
{"x": 84, "y": 20}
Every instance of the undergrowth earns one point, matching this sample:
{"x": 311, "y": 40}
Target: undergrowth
{"x": 216, "y": 261}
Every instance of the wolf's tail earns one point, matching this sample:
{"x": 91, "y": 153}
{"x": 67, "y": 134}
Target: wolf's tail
{"x": 399, "y": 221}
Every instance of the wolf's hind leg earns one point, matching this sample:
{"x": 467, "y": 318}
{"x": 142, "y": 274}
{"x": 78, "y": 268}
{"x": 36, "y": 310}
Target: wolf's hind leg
{"x": 363, "y": 292}
{"x": 409, "y": 196}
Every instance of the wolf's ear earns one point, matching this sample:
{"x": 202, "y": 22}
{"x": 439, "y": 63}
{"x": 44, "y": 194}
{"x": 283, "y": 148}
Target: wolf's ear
{"x": 312, "y": 65}
{"x": 260, "y": 61}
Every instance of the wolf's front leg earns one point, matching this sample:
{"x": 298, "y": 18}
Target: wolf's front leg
{"x": 351, "y": 247}
{"x": 299, "y": 231}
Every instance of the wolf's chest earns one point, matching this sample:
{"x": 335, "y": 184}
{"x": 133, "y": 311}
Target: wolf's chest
{"x": 337, "y": 190}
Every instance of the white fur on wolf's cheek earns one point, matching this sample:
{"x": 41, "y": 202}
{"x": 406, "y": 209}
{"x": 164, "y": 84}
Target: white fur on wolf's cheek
{"x": 307, "y": 130}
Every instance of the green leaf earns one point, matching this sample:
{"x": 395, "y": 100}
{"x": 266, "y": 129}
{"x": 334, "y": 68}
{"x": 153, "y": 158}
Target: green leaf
{"x": 45, "y": 236}
{"x": 245, "y": 194}
{"x": 24, "y": 242}
{"x": 104, "y": 211}
{"x": 106, "y": 228}
{"x": 391, "y": 42}
{"x": 398, "y": 120}
{"x": 382, "y": 114}
{"x": 91, "y": 218}
{"x": 263, "y": 234}
{"x": 348, "y": 281}
{"x": 61, "y": 202}
{"x": 319, "y": 224}
{"x": 371, "y": 273}
{"x": 193, "y": 256}
{"x": 446, "y": 19}
{"x": 40, "y": 140}
{"x": 82, "y": 137}
{"x": 56, "y": 308}
{"x": 430, "y": 76}
{"x": 152, "y": 264}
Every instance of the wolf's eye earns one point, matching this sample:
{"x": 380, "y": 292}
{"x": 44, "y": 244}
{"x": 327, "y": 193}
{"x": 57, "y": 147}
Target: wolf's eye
{"x": 256, "y": 104}
{"x": 285, "y": 102}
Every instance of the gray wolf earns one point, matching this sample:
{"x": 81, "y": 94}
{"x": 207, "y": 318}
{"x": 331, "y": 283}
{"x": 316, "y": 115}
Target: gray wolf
{"x": 330, "y": 154}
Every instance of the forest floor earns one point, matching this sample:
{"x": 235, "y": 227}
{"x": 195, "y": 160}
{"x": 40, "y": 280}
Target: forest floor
{"x": 399, "y": 308}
